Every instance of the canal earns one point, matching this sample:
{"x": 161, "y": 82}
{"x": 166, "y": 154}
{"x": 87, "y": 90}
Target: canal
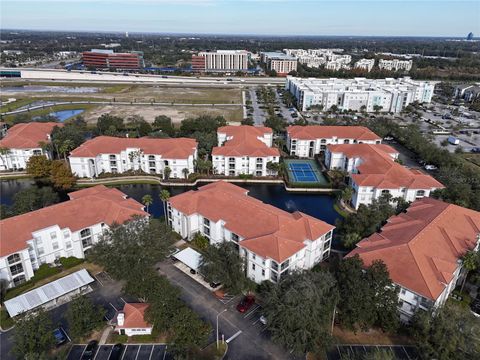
{"x": 316, "y": 205}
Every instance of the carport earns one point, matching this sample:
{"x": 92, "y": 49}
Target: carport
{"x": 189, "y": 259}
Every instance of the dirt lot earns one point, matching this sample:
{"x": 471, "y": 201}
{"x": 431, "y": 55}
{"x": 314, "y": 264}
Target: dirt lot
{"x": 176, "y": 113}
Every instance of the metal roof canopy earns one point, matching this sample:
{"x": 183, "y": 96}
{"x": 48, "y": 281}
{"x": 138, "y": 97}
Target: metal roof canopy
{"x": 189, "y": 257}
{"x": 48, "y": 292}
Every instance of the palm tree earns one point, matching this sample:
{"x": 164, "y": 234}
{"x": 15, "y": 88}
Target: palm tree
{"x": 164, "y": 197}
{"x": 166, "y": 172}
{"x": 469, "y": 263}
{"x": 147, "y": 200}
{"x": 66, "y": 147}
{"x": 185, "y": 173}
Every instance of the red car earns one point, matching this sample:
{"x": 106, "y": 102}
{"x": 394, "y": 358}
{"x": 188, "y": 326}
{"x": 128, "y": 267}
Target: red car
{"x": 246, "y": 303}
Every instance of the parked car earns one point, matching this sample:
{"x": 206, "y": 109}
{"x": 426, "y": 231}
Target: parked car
{"x": 430, "y": 167}
{"x": 246, "y": 303}
{"x": 263, "y": 320}
{"x": 90, "y": 350}
{"x": 388, "y": 138}
{"x": 215, "y": 284}
{"x": 475, "y": 308}
{"x": 453, "y": 140}
{"x": 60, "y": 336}
{"x": 116, "y": 352}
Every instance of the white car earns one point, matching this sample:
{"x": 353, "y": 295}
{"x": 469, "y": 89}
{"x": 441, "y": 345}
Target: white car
{"x": 388, "y": 138}
{"x": 263, "y": 320}
{"x": 430, "y": 167}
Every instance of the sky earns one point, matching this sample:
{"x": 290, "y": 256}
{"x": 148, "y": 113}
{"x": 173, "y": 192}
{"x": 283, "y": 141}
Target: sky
{"x": 259, "y": 17}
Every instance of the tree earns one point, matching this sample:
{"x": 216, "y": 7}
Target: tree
{"x": 164, "y": 197}
{"x": 66, "y": 147}
{"x": 299, "y": 311}
{"x": 203, "y": 166}
{"x": 221, "y": 263}
{"x": 185, "y": 172}
{"x": 33, "y": 198}
{"x": 347, "y": 194}
{"x": 68, "y": 137}
{"x": 451, "y": 333}
{"x": 4, "y": 152}
{"x": 377, "y": 108}
{"x": 147, "y": 200}
{"x": 138, "y": 124}
{"x": 4, "y": 283}
{"x": 33, "y": 336}
{"x": 166, "y": 172}
{"x": 39, "y": 166}
{"x": 61, "y": 176}
{"x": 109, "y": 125}
{"x": 273, "y": 167}
{"x": 470, "y": 262}
{"x": 83, "y": 316}
{"x": 164, "y": 124}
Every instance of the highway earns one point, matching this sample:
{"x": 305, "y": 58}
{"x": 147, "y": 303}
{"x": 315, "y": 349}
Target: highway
{"x": 76, "y": 76}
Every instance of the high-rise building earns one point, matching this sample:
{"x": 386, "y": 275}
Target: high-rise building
{"x": 221, "y": 60}
{"x": 279, "y": 62}
{"x": 470, "y": 36}
{"x": 107, "y": 59}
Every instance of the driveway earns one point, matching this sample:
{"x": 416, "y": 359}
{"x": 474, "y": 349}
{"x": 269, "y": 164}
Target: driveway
{"x": 247, "y": 338}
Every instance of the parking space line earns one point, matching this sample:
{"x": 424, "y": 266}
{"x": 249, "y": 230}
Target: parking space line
{"x": 123, "y": 299}
{"x": 405, "y": 351}
{"x": 113, "y": 306}
{"x": 165, "y": 352}
{"x": 138, "y": 351}
{"x": 66, "y": 334}
{"x": 151, "y": 352}
{"x": 251, "y": 312}
{"x": 123, "y": 355}
{"x": 233, "y": 336}
{"x": 95, "y": 276}
{"x": 84, "y": 348}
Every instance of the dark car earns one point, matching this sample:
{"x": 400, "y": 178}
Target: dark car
{"x": 60, "y": 337}
{"x": 90, "y": 350}
{"x": 246, "y": 303}
{"x": 476, "y": 150}
{"x": 116, "y": 352}
{"x": 215, "y": 284}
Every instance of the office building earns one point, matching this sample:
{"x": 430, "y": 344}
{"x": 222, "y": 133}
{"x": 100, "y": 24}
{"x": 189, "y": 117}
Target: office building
{"x": 107, "y": 59}
{"x": 221, "y": 60}
{"x": 66, "y": 229}
{"x": 422, "y": 249}
{"x": 23, "y": 141}
{"x": 244, "y": 150}
{"x": 107, "y": 154}
{"x": 359, "y": 94}
{"x": 272, "y": 242}
{"x": 279, "y": 62}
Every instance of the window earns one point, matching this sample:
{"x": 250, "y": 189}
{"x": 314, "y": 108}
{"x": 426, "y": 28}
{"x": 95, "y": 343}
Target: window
{"x": 253, "y": 266}
{"x": 12, "y": 259}
{"x": 19, "y": 280}
{"x": 234, "y": 237}
{"x": 16, "y": 269}
{"x": 68, "y": 244}
{"x": 53, "y": 235}
{"x": 385, "y": 192}
{"x": 274, "y": 265}
{"x": 403, "y": 291}
{"x": 112, "y": 157}
{"x": 37, "y": 152}
{"x": 253, "y": 256}
{"x": 420, "y": 193}
{"x": 263, "y": 272}
{"x": 151, "y": 157}
{"x": 263, "y": 262}
{"x": 206, "y": 226}
{"x": 55, "y": 245}
{"x": 285, "y": 265}
{"x": 41, "y": 251}
{"x": 86, "y": 237}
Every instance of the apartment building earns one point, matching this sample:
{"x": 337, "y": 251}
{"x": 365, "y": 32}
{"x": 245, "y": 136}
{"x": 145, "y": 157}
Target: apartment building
{"x": 311, "y": 140}
{"x": 244, "y": 150}
{"x": 388, "y": 95}
{"x": 374, "y": 172}
{"x": 62, "y": 230}
{"x": 221, "y": 60}
{"x": 422, "y": 249}
{"x": 107, "y": 154}
{"x": 365, "y": 64}
{"x": 280, "y": 62}
{"x": 273, "y": 242}
{"x": 395, "y": 65}
{"x": 321, "y": 57}
{"x": 23, "y": 141}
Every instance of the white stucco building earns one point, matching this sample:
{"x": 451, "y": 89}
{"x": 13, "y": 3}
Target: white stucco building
{"x": 311, "y": 140}
{"x": 388, "y": 95}
{"x": 422, "y": 249}
{"x": 395, "y": 65}
{"x": 244, "y": 150}
{"x": 66, "y": 229}
{"x": 273, "y": 242}
{"x": 221, "y": 60}
{"x": 106, "y": 154}
{"x": 365, "y": 64}
{"x": 131, "y": 320}
{"x": 23, "y": 141}
{"x": 374, "y": 172}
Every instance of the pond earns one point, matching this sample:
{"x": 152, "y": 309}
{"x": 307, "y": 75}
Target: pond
{"x": 63, "y": 115}
{"x": 318, "y": 206}
{"x": 47, "y": 89}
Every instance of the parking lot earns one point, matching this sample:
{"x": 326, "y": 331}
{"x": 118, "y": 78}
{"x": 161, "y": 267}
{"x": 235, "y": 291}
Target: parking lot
{"x": 129, "y": 352}
{"x": 400, "y": 352}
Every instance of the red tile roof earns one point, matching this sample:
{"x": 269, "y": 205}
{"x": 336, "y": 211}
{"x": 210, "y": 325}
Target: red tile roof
{"x": 28, "y": 135}
{"x": 245, "y": 142}
{"x": 176, "y": 148}
{"x": 378, "y": 169}
{"x": 312, "y": 132}
{"x": 267, "y": 230}
{"x": 135, "y": 316}
{"x": 421, "y": 247}
{"x": 87, "y": 207}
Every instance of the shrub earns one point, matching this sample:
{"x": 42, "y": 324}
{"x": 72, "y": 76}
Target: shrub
{"x": 70, "y": 262}
{"x": 122, "y": 339}
{"x": 5, "y": 320}
{"x": 200, "y": 241}
{"x": 245, "y": 176}
{"x": 43, "y": 272}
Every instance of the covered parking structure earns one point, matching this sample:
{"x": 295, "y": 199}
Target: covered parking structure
{"x": 189, "y": 263}
{"x": 52, "y": 294}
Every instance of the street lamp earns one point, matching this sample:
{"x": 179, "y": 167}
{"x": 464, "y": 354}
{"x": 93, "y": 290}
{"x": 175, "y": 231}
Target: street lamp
{"x": 218, "y": 315}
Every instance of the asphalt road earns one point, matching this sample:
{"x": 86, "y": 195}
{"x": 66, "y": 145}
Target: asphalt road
{"x": 253, "y": 341}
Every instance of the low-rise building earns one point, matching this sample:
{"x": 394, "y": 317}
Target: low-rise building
{"x": 374, "y": 172}
{"x": 107, "y": 154}
{"x": 365, "y": 64}
{"x": 23, "y": 141}
{"x": 311, "y": 140}
{"x": 359, "y": 94}
{"x": 273, "y": 242}
{"x": 422, "y": 249}
{"x": 62, "y": 230}
{"x": 281, "y": 63}
{"x": 131, "y": 320}
{"x": 244, "y": 150}
{"x": 467, "y": 92}
{"x": 395, "y": 65}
